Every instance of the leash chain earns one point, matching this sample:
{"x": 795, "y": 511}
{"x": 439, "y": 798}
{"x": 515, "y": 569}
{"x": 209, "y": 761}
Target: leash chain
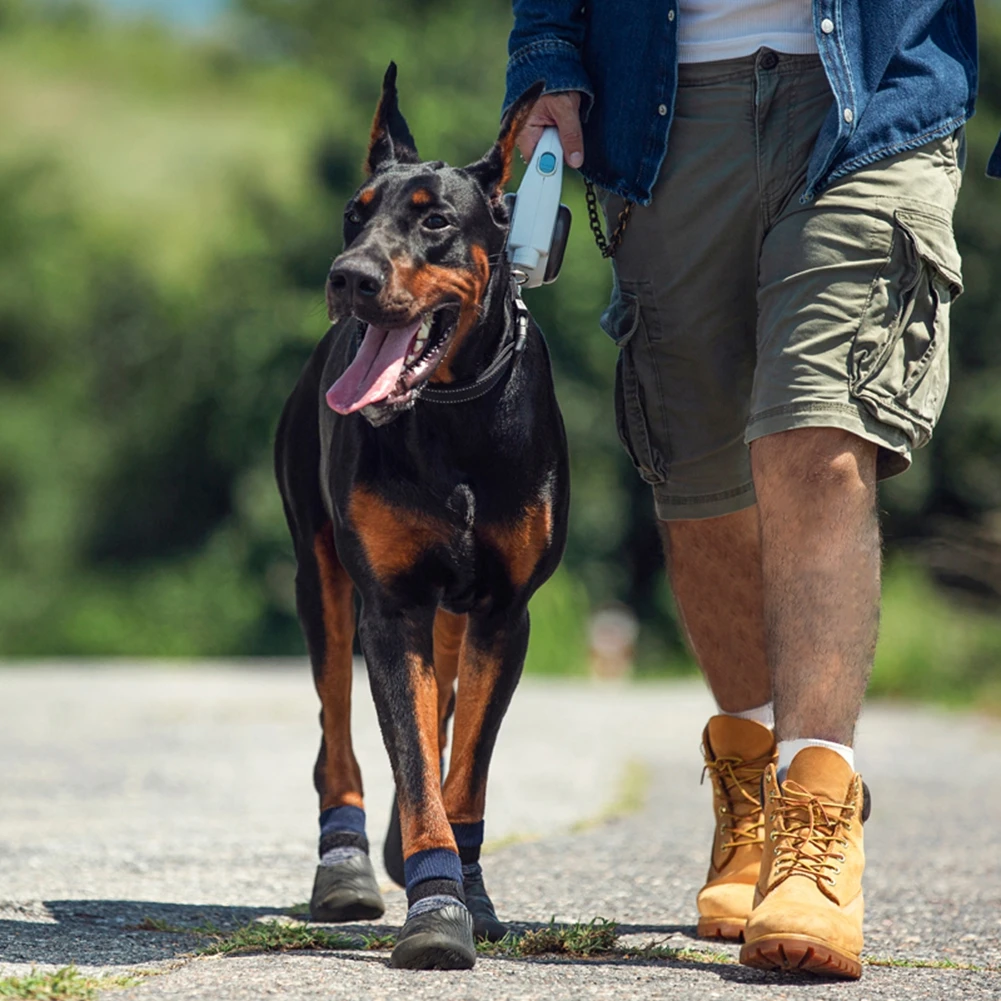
{"x": 608, "y": 246}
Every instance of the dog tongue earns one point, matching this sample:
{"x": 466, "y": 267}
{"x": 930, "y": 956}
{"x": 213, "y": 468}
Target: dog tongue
{"x": 375, "y": 370}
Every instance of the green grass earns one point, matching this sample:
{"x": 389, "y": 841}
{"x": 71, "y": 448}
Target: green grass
{"x": 579, "y": 941}
{"x": 922, "y": 964}
{"x": 66, "y": 984}
{"x": 679, "y": 954}
{"x": 277, "y": 936}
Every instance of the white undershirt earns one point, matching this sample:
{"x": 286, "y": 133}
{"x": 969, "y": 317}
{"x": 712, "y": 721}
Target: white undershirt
{"x": 727, "y": 29}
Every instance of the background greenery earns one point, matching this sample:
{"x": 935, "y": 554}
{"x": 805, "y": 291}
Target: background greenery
{"x": 169, "y": 206}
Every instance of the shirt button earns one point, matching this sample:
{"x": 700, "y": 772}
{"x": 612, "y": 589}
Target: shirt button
{"x": 827, "y": 26}
{"x": 662, "y": 110}
{"x": 849, "y": 115}
{"x": 670, "y": 15}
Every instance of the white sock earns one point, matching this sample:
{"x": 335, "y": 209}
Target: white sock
{"x": 788, "y": 749}
{"x": 764, "y": 714}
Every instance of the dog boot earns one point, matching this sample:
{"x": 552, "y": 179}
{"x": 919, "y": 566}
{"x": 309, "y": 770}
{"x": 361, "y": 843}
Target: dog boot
{"x": 736, "y": 754}
{"x": 344, "y": 888}
{"x": 486, "y": 925}
{"x": 808, "y": 904}
{"x": 346, "y": 891}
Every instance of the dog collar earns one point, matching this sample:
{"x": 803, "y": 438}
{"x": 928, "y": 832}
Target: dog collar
{"x": 512, "y": 347}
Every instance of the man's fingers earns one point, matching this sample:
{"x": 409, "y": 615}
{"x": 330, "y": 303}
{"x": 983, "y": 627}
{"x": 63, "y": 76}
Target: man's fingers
{"x": 528, "y": 139}
{"x": 561, "y": 110}
{"x": 568, "y": 122}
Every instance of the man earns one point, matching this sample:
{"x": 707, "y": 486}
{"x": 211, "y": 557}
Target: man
{"x": 786, "y": 173}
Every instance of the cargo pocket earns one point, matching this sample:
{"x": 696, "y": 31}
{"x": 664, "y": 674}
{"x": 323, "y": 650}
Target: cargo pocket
{"x": 623, "y": 322}
{"x": 900, "y": 356}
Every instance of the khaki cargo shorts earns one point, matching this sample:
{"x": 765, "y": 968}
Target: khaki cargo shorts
{"x": 741, "y": 312}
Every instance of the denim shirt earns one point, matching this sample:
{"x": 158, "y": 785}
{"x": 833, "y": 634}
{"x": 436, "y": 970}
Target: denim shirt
{"x": 903, "y": 72}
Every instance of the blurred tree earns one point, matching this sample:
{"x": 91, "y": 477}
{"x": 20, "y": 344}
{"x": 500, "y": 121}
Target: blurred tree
{"x": 168, "y": 210}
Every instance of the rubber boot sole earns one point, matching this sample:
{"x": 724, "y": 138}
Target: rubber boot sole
{"x": 438, "y": 940}
{"x": 346, "y": 892}
{"x": 731, "y": 929}
{"x": 800, "y": 954}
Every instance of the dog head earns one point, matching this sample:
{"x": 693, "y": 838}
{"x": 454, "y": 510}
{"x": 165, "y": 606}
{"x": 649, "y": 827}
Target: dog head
{"x": 420, "y": 241}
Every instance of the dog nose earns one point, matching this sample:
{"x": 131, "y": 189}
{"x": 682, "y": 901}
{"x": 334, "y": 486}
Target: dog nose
{"x": 357, "y": 278}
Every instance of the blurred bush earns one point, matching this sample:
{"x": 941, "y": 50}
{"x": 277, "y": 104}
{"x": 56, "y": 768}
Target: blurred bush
{"x": 169, "y": 206}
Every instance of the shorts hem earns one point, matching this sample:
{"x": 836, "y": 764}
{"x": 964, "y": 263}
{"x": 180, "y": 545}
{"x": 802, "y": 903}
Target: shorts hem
{"x": 895, "y": 447}
{"x": 674, "y": 507}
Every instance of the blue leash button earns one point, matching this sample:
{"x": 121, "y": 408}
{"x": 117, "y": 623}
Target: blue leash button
{"x": 547, "y": 163}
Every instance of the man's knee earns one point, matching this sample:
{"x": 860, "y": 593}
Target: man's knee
{"x": 817, "y": 459}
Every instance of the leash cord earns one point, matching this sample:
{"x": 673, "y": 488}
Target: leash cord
{"x": 608, "y": 246}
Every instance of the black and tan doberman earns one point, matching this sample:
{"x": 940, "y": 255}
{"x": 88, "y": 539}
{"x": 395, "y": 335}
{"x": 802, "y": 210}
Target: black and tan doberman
{"x": 423, "y": 465}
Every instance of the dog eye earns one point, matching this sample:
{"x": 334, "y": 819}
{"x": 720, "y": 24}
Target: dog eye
{"x": 435, "y": 222}
{"x": 353, "y": 218}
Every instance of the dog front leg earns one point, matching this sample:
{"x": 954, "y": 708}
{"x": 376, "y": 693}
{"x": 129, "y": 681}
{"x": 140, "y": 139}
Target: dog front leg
{"x": 438, "y": 932}
{"x": 493, "y": 655}
{"x": 344, "y": 888}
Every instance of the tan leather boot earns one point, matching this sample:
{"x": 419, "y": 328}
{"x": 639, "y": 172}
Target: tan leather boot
{"x": 808, "y": 904}
{"x": 736, "y": 753}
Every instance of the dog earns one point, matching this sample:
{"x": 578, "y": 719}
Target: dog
{"x": 422, "y": 463}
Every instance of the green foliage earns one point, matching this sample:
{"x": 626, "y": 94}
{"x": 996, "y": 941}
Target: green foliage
{"x": 932, "y": 648}
{"x": 168, "y": 209}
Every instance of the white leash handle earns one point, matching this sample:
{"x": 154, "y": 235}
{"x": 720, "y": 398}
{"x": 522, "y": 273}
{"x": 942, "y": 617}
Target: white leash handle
{"x": 535, "y": 210}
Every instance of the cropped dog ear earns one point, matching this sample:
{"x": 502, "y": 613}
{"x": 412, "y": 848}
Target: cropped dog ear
{"x": 494, "y": 170}
{"x": 391, "y": 141}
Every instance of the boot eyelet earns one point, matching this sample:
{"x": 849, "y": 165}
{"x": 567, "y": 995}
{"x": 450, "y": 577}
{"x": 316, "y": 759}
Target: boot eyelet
{"x": 773, "y": 835}
{"x": 829, "y": 880}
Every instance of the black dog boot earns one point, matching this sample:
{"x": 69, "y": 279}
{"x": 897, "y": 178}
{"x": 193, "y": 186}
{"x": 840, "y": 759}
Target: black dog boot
{"x": 486, "y": 925}
{"x": 346, "y": 891}
{"x": 437, "y": 939}
{"x": 344, "y": 888}
{"x": 392, "y": 847}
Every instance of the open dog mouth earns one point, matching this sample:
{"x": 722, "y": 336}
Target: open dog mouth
{"x": 392, "y": 363}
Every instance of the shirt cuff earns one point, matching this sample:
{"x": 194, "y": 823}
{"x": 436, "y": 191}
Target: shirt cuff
{"x": 554, "y": 61}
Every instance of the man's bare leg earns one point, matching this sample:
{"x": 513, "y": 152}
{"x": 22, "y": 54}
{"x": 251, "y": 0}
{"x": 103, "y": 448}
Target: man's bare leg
{"x": 816, "y": 491}
{"x": 715, "y": 570}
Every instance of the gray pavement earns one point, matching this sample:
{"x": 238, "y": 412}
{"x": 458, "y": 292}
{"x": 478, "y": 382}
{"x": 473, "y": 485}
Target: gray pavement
{"x": 183, "y": 794}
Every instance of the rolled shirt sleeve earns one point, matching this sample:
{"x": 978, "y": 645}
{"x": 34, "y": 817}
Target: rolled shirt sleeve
{"x": 545, "y": 44}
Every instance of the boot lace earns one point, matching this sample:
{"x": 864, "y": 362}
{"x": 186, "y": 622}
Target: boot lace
{"x": 808, "y": 833}
{"x": 732, "y": 778}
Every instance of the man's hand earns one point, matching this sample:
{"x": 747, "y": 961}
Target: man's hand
{"x": 563, "y": 111}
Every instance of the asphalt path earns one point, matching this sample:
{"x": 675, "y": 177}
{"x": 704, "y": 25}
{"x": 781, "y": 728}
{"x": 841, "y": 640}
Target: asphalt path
{"x": 136, "y": 795}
